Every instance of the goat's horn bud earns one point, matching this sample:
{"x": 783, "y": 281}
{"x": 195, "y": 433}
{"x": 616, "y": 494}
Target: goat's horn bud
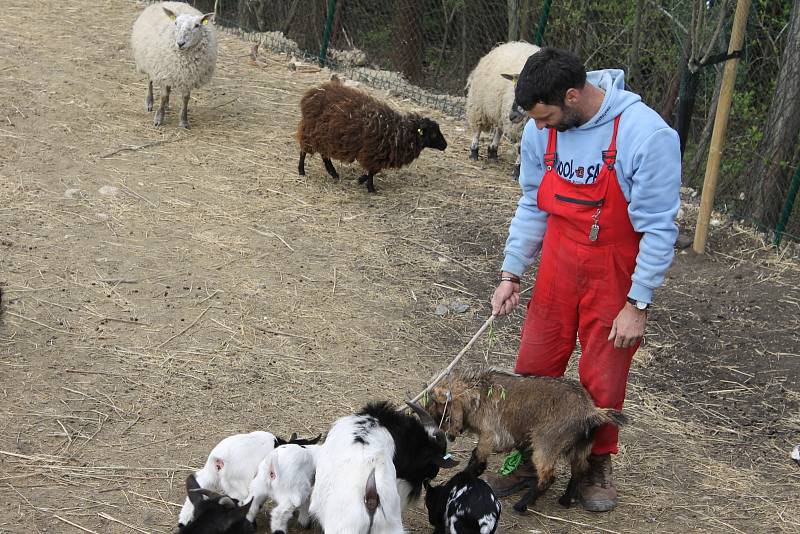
{"x": 424, "y": 416}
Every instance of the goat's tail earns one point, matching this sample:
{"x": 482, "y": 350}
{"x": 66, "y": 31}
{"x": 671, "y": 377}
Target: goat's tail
{"x": 371, "y": 498}
{"x": 604, "y": 416}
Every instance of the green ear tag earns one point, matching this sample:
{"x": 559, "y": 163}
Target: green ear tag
{"x": 511, "y": 463}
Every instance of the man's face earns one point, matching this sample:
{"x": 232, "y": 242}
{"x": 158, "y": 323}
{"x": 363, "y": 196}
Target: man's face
{"x": 562, "y": 118}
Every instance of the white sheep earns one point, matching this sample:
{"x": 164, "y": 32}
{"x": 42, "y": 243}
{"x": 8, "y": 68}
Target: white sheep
{"x": 175, "y": 45}
{"x": 287, "y": 477}
{"x": 490, "y": 97}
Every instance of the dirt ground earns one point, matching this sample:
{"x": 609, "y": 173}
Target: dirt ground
{"x": 209, "y": 290}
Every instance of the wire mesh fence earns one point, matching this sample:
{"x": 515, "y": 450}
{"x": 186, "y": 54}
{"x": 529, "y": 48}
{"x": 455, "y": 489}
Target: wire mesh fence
{"x": 425, "y": 49}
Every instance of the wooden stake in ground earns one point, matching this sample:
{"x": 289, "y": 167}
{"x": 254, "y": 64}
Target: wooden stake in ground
{"x": 720, "y": 127}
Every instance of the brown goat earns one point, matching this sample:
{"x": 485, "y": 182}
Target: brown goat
{"x": 346, "y": 124}
{"x": 543, "y": 417}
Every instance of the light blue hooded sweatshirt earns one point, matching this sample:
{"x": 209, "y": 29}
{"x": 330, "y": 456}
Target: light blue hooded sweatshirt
{"x": 648, "y": 167}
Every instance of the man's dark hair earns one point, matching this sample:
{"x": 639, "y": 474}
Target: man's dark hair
{"x": 546, "y": 77}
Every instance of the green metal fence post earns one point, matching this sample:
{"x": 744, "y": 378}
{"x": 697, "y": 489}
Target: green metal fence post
{"x": 787, "y": 208}
{"x": 323, "y": 51}
{"x": 542, "y": 23}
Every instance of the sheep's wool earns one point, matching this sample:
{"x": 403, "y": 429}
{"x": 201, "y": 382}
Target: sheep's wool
{"x": 157, "y": 55}
{"x": 489, "y": 95}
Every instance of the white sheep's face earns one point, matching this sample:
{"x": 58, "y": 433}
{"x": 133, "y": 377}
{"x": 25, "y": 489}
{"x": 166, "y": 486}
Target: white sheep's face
{"x": 188, "y": 28}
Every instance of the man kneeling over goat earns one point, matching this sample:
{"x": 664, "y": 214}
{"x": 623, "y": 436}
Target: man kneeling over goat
{"x": 543, "y": 417}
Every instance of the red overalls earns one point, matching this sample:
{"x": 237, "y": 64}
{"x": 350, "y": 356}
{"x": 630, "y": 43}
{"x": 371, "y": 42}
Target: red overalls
{"x": 588, "y": 257}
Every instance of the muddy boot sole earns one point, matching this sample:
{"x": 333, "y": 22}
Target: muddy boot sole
{"x": 604, "y": 505}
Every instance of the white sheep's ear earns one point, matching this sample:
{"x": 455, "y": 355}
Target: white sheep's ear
{"x": 208, "y": 17}
{"x": 511, "y": 77}
{"x": 172, "y": 16}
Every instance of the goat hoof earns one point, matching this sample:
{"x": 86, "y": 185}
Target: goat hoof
{"x": 521, "y": 509}
{"x": 473, "y": 154}
{"x": 566, "y": 502}
{"x": 492, "y": 154}
{"x": 363, "y": 178}
{"x": 278, "y": 532}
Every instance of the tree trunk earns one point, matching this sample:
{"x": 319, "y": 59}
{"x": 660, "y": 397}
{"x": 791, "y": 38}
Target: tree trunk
{"x": 778, "y": 151}
{"x": 407, "y": 39}
{"x": 513, "y": 20}
{"x": 526, "y": 25}
{"x": 686, "y": 99}
{"x": 633, "y": 58}
{"x": 692, "y": 171}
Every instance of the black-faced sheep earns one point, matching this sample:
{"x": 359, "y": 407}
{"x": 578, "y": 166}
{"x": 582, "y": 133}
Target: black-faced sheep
{"x": 490, "y": 98}
{"x": 546, "y": 417}
{"x": 346, "y": 124}
{"x": 176, "y": 47}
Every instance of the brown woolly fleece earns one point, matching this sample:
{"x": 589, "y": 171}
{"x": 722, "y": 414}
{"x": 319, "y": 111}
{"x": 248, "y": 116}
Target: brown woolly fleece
{"x": 552, "y": 417}
{"x": 346, "y": 124}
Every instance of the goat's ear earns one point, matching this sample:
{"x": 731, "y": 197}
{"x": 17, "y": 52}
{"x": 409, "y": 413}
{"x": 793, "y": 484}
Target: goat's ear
{"x": 193, "y": 490}
{"x": 171, "y": 14}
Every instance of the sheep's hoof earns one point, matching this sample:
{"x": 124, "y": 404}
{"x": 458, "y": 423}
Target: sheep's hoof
{"x": 515, "y": 173}
{"x": 492, "y": 154}
{"x": 473, "y": 154}
{"x": 159, "y": 120}
{"x": 183, "y": 124}
{"x": 148, "y": 105}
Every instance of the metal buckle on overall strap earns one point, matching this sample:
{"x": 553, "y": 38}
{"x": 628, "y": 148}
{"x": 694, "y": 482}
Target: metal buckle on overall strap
{"x": 609, "y": 158}
{"x": 549, "y": 160}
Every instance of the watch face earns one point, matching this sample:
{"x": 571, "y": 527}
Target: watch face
{"x": 641, "y": 305}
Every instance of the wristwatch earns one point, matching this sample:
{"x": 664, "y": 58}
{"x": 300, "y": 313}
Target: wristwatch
{"x": 639, "y": 304}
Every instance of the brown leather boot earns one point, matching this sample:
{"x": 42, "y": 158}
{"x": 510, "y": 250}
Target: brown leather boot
{"x": 597, "y": 490}
{"x": 505, "y": 485}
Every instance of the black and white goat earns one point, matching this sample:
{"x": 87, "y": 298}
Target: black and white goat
{"x": 233, "y": 464}
{"x": 464, "y": 505}
{"x": 372, "y": 465}
{"x": 215, "y": 513}
{"x": 287, "y": 477}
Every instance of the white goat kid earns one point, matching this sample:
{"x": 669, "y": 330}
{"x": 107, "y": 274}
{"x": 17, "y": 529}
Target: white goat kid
{"x": 355, "y": 491}
{"x": 231, "y": 467}
{"x": 287, "y": 477}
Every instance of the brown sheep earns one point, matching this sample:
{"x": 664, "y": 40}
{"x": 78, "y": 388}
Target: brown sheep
{"x": 346, "y": 124}
{"x": 541, "y": 416}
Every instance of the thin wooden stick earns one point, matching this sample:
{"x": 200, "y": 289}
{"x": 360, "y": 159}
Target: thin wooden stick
{"x": 456, "y": 359}
{"x": 146, "y": 145}
{"x": 75, "y": 525}
{"x": 106, "y": 516}
{"x": 40, "y": 324}
{"x": 593, "y": 527}
{"x": 185, "y": 329}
